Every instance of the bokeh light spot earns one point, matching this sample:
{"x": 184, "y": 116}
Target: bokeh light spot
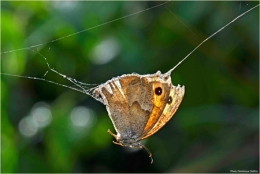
{"x": 27, "y": 127}
{"x": 105, "y": 51}
{"x": 82, "y": 116}
{"x": 42, "y": 116}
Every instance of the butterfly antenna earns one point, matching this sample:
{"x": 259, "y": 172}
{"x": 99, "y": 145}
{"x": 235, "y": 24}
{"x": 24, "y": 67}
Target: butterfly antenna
{"x": 149, "y": 152}
{"x": 169, "y": 72}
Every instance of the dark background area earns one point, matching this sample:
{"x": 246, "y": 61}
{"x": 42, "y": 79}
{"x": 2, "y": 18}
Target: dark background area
{"x": 49, "y": 128}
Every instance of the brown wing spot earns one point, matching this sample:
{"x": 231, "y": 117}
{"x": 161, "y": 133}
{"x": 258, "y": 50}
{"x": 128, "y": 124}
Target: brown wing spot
{"x": 169, "y": 101}
{"x": 158, "y": 91}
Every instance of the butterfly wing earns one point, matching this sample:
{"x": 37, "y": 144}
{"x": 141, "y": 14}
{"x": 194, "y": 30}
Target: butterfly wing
{"x": 176, "y": 94}
{"x": 116, "y": 105}
{"x": 127, "y": 102}
{"x": 133, "y": 106}
{"x": 158, "y": 102}
{"x": 137, "y": 93}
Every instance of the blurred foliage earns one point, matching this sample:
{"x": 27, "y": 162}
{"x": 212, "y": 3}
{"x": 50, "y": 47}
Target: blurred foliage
{"x": 216, "y": 128}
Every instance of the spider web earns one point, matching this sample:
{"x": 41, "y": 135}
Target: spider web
{"x": 89, "y": 88}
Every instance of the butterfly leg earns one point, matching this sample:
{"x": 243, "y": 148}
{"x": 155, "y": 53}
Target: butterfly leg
{"x": 111, "y": 133}
{"x": 115, "y": 137}
{"x": 118, "y": 143}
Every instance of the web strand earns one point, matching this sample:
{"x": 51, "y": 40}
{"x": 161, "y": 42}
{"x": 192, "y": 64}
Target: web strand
{"x": 169, "y": 72}
{"x": 55, "y": 40}
{"x": 89, "y": 88}
{"x": 83, "y": 87}
{"x": 88, "y": 91}
{"x": 42, "y": 79}
{"x": 180, "y": 21}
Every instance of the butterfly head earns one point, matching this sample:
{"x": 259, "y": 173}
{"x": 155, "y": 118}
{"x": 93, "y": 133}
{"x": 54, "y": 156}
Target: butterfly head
{"x": 133, "y": 143}
{"x": 130, "y": 142}
{"x": 126, "y": 141}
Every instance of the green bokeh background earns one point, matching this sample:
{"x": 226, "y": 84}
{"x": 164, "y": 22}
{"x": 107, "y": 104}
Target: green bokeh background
{"x": 216, "y": 128}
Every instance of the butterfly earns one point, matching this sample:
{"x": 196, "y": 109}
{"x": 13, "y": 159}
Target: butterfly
{"x": 139, "y": 105}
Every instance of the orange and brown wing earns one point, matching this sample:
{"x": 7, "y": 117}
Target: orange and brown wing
{"x": 158, "y": 101}
{"x": 171, "y": 107}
